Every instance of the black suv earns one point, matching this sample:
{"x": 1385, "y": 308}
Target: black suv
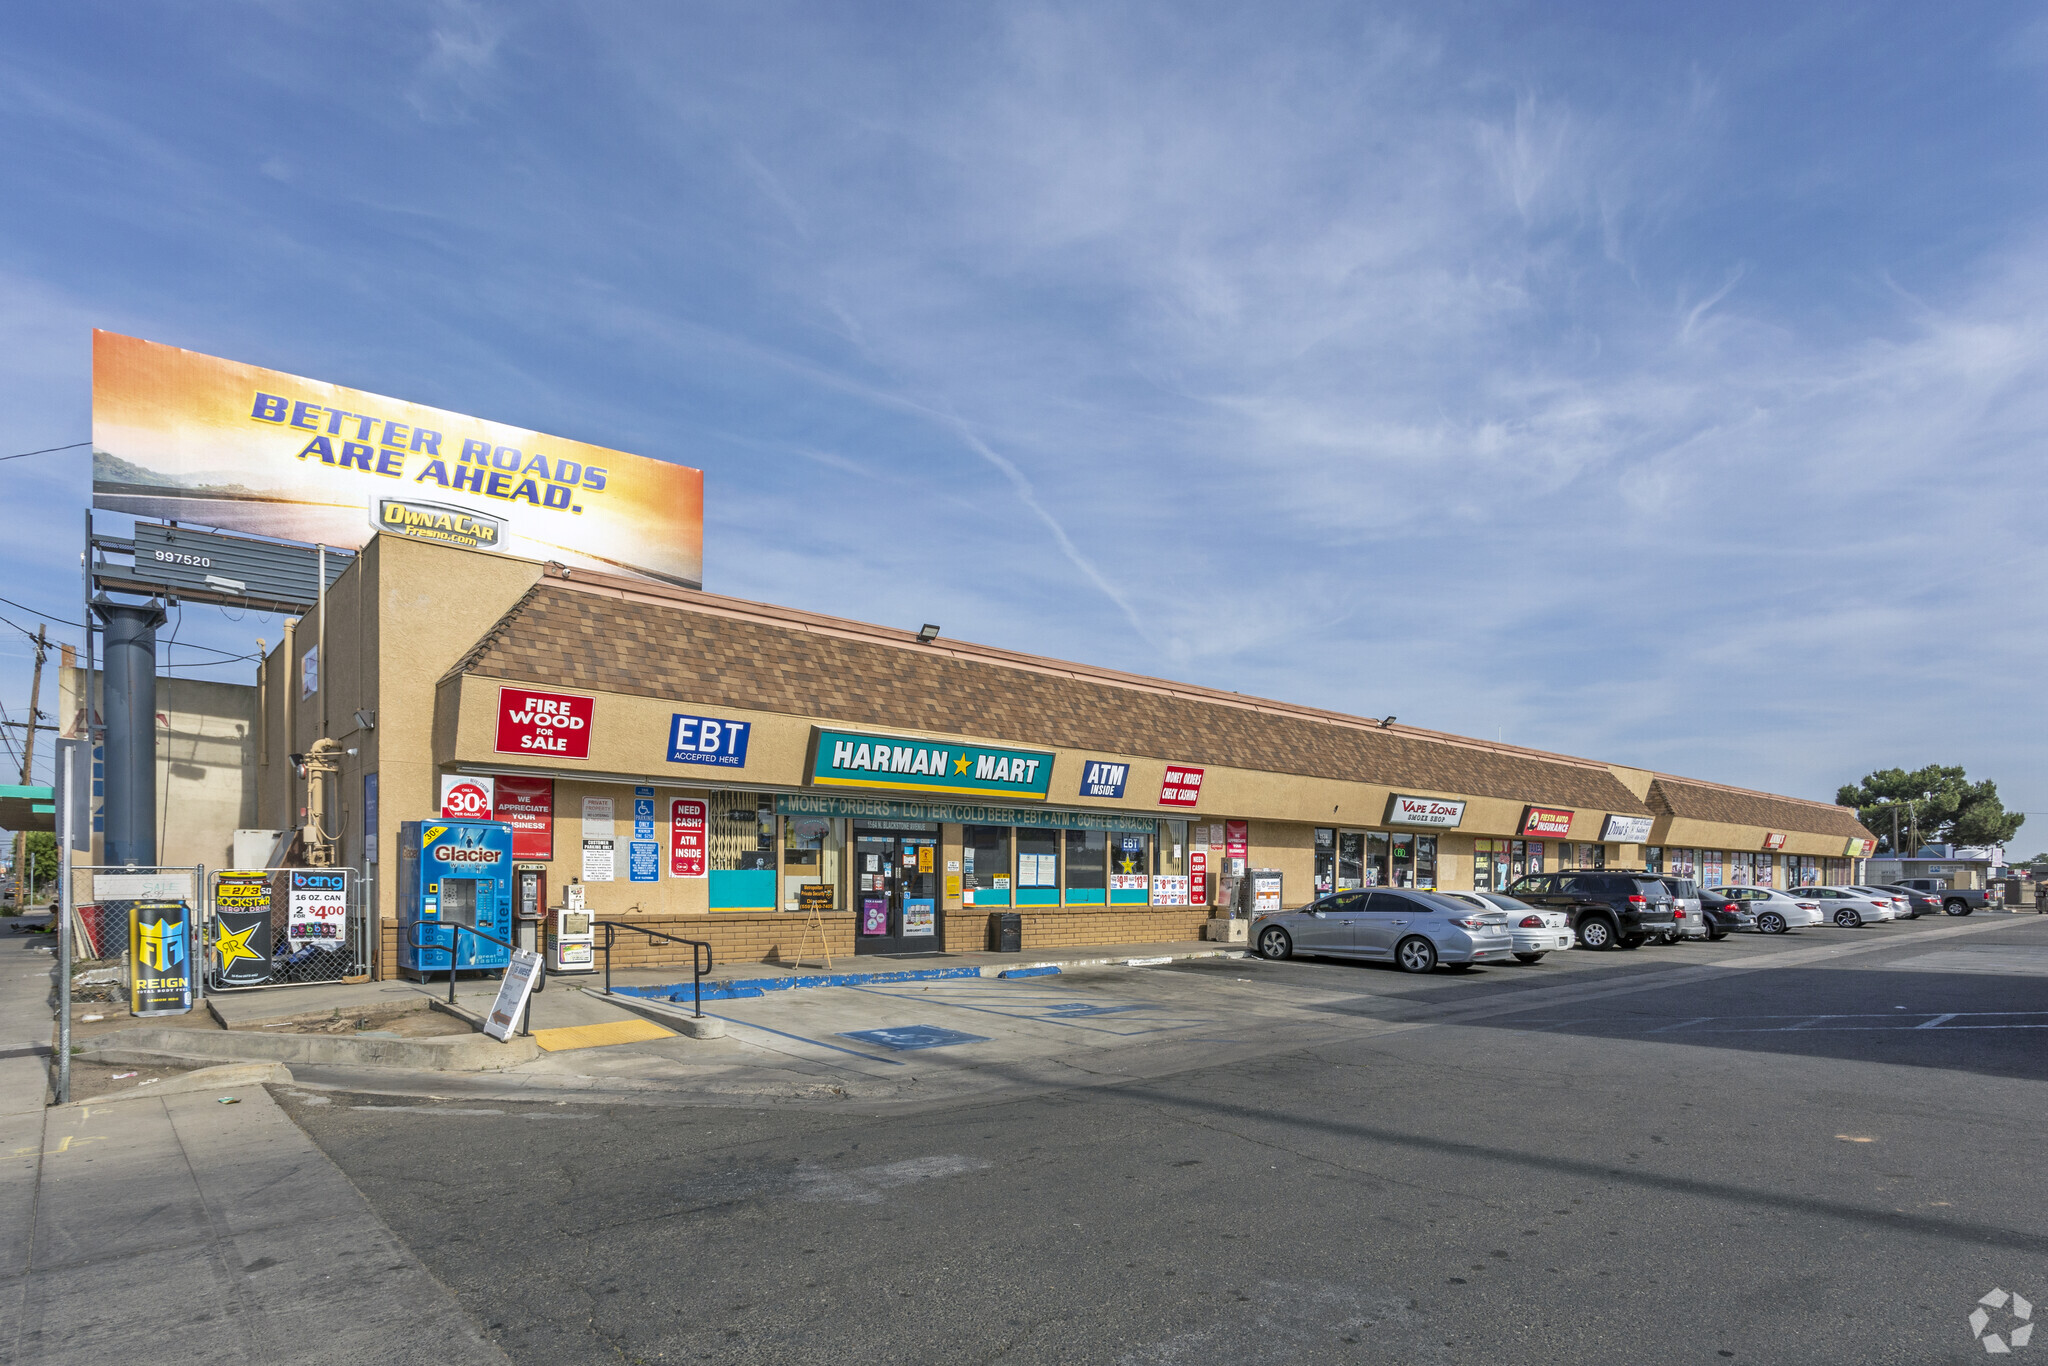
{"x": 1606, "y": 910}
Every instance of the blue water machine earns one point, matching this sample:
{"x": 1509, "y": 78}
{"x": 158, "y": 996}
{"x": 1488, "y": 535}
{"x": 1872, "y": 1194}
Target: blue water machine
{"x": 454, "y": 873}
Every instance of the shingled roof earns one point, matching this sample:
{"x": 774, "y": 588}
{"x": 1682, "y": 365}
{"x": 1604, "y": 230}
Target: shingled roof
{"x": 1687, "y": 799}
{"x": 620, "y": 636}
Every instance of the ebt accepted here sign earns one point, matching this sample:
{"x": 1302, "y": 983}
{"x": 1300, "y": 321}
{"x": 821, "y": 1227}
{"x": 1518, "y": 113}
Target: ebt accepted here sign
{"x": 551, "y": 724}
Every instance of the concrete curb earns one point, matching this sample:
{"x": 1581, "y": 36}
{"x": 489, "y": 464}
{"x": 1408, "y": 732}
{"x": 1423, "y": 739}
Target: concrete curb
{"x": 223, "y": 1078}
{"x": 463, "y": 1053}
{"x": 670, "y": 1016}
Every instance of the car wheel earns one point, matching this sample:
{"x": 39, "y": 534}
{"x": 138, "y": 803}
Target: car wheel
{"x": 1275, "y": 943}
{"x": 1848, "y": 919}
{"x": 1596, "y": 933}
{"x": 1529, "y": 957}
{"x": 1415, "y": 954}
{"x": 1956, "y": 907}
{"x": 1770, "y": 922}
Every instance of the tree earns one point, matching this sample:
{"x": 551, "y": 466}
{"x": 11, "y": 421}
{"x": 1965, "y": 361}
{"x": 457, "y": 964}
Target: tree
{"x": 42, "y": 865}
{"x": 1933, "y": 805}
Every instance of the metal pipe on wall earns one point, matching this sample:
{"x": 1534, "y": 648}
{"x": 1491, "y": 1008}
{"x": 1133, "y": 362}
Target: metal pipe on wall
{"x": 130, "y": 684}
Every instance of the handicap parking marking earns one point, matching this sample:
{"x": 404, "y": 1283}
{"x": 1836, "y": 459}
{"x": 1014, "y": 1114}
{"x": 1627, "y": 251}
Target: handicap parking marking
{"x": 1043, "y": 1004}
{"x": 907, "y": 1038}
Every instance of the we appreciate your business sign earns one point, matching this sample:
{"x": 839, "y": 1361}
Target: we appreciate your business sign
{"x": 186, "y": 437}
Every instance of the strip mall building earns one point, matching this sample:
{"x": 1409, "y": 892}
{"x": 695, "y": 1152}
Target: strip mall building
{"x": 695, "y": 761}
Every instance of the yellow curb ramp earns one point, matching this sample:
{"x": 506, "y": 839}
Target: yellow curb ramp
{"x": 600, "y": 1035}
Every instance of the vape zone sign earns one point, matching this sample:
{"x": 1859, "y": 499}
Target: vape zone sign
{"x": 545, "y": 723}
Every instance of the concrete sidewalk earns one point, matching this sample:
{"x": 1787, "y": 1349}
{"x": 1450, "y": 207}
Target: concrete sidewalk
{"x": 173, "y": 1229}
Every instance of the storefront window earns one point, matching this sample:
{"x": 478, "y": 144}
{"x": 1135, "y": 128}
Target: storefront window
{"x": 1653, "y": 859}
{"x": 1130, "y": 864}
{"x": 1765, "y": 866}
{"x": 1425, "y": 860}
{"x": 1377, "y": 863}
{"x": 1740, "y": 869}
{"x": 985, "y": 865}
{"x": 1038, "y": 867}
{"x": 1535, "y": 855}
{"x": 1326, "y": 861}
{"x": 742, "y": 834}
{"x": 1350, "y": 860}
{"x": 811, "y": 850}
{"x": 1403, "y": 859}
{"x": 1087, "y": 866}
{"x": 1711, "y": 873}
{"x": 1172, "y": 858}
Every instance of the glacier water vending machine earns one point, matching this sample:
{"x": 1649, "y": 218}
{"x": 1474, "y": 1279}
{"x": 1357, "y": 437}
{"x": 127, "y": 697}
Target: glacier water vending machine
{"x": 454, "y": 873}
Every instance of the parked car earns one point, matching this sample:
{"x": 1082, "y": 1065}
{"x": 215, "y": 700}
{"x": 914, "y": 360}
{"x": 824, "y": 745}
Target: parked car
{"x": 1892, "y": 903}
{"x": 1954, "y": 900}
{"x": 1685, "y": 904}
{"x": 1416, "y": 930}
{"x": 1605, "y": 909}
{"x": 1775, "y": 911}
{"x": 1535, "y": 931}
{"x": 1847, "y": 909}
{"x": 1724, "y": 915}
{"x": 1918, "y": 903}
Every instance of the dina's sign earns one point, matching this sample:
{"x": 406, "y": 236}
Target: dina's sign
{"x": 1432, "y": 813}
{"x": 894, "y": 763}
{"x": 1626, "y": 829}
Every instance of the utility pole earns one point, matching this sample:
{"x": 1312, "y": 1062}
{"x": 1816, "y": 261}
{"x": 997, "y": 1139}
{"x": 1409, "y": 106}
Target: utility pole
{"x": 22, "y": 887}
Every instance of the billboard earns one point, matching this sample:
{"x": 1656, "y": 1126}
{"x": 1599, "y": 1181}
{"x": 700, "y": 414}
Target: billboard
{"x": 180, "y": 436}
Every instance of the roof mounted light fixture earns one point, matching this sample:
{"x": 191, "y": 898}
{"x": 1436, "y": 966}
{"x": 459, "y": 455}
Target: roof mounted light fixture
{"x": 927, "y": 634}
{"x": 1386, "y": 723}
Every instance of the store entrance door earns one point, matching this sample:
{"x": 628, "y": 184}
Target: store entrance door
{"x": 896, "y": 893}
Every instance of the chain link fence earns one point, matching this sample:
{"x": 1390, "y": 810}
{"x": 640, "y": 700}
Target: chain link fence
{"x": 280, "y": 927}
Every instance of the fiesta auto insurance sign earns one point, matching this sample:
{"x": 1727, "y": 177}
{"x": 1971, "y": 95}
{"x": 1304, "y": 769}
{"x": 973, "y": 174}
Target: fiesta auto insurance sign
{"x": 547, "y": 724}
{"x": 1433, "y": 812}
{"x": 1548, "y": 821}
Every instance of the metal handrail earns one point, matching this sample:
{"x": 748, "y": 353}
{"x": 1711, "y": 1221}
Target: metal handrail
{"x": 540, "y": 983}
{"x": 700, "y": 956}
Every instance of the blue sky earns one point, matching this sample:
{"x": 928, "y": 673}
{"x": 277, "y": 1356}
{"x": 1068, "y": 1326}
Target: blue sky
{"x": 1663, "y": 387}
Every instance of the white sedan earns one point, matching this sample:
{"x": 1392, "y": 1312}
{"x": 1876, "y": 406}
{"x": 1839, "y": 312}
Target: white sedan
{"x": 1536, "y": 931}
{"x": 1846, "y": 907}
{"x": 1775, "y": 911}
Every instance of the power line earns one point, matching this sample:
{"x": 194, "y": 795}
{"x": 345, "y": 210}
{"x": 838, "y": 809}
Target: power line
{"x": 23, "y": 455}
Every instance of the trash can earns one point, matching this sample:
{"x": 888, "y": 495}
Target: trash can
{"x": 1005, "y": 932}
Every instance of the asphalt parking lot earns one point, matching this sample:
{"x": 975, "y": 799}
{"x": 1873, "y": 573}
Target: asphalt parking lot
{"x": 1815, "y": 1148}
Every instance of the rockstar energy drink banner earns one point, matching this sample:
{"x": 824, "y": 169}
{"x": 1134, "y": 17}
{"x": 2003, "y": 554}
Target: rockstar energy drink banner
{"x": 186, "y": 437}
{"x": 159, "y": 958}
{"x": 241, "y": 930}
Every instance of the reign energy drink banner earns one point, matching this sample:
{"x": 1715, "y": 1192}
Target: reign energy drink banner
{"x": 181, "y": 436}
{"x": 159, "y": 958}
{"x": 241, "y": 929}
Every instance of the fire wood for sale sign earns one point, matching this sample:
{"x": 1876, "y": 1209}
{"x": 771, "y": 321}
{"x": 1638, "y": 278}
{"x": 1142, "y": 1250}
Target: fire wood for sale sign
{"x": 548, "y": 725}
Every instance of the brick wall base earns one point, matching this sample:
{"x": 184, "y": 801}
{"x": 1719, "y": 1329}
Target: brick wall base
{"x": 762, "y": 937}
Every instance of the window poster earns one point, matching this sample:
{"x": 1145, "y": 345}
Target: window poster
{"x": 874, "y": 915}
{"x": 1170, "y": 890}
{"x": 920, "y": 917}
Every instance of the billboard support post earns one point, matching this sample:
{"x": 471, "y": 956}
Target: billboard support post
{"x": 130, "y": 685}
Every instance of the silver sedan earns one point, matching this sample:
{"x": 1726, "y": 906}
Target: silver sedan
{"x": 1845, "y": 908}
{"x": 1535, "y": 930}
{"x": 1416, "y": 930}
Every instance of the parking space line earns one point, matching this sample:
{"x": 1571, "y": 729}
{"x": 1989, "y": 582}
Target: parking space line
{"x": 1936, "y": 1021}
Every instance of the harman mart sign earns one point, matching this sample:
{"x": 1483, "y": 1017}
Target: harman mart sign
{"x": 845, "y": 758}
{"x": 963, "y": 814}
